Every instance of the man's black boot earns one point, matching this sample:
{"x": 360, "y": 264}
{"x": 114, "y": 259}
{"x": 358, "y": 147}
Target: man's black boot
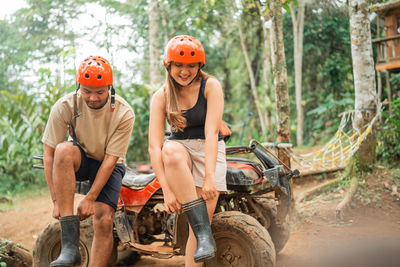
{"x": 69, "y": 255}
{"x": 196, "y": 212}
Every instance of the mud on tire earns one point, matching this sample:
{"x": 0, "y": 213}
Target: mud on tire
{"x": 279, "y": 232}
{"x": 241, "y": 241}
{"x": 48, "y": 244}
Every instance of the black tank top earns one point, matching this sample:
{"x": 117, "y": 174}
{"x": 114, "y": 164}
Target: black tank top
{"x": 195, "y": 119}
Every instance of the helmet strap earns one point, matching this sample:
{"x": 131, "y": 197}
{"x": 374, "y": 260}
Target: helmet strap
{"x": 195, "y": 77}
{"x": 112, "y": 98}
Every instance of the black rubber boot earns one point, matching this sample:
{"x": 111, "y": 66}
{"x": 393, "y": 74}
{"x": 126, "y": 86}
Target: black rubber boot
{"x": 69, "y": 255}
{"x": 196, "y": 212}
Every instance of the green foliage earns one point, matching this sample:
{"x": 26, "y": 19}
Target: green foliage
{"x": 138, "y": 96}
{"x": 41, "y": 35}
{"x": 19, "y": 141}
{"x": 325, "y": 117}
{"x": 22, "y": 121}
{"x": 389, "y": 135}
{"x": 327, "y": 69}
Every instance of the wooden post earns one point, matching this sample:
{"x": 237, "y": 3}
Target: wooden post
{"x": 379, "y": 78}
{"x": 389, "y": 89}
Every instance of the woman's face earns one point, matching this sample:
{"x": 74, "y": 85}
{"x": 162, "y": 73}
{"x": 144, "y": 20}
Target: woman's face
{"x": 184, "y": 73}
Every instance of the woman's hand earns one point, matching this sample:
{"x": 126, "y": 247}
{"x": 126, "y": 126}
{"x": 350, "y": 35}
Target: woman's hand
{"x": 209, "y": 189}
{"x": 170, "y": 202}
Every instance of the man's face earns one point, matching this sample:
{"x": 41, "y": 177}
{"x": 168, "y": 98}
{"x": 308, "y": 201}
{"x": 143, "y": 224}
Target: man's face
{"x": 95, "y": 97}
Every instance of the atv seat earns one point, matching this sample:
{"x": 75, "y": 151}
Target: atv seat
{"x": 137, "y": 181}
{"x": 242, "y": 172}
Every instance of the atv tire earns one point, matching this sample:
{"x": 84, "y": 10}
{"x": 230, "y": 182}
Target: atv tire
{"x": 241, "y": 241}
{"x": 48, "y": 245}
{"x": 279, "y": 232}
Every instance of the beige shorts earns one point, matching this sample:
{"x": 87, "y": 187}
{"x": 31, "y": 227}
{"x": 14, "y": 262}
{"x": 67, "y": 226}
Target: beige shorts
{"x": 196, "y": 150}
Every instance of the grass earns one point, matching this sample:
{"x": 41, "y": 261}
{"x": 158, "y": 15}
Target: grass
{"x": 23, "y": 196}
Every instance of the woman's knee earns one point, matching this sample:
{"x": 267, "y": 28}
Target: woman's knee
{"x": 174, "y": 153}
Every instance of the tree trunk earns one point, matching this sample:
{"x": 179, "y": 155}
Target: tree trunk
{"x": 154, "y": 40}
{"x": 280, "y": 79}
{"x": 267, "y": 74}
{"x": 13, "y": 255}
{"x": 364, "y": 77}
{"x": 252, "y": 78}
{"x": 298, "y": 29}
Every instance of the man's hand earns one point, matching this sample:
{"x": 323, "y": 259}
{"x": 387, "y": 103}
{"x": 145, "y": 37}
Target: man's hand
{"x": 56, "y": 211}
{"x": 85, "y": 208}
{"x": 209, "y": 189}
{"x": 170, "y": 202}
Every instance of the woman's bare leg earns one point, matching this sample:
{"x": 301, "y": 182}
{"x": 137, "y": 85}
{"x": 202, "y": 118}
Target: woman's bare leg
{"x": 177, "y": 168}
{"x": 191, "y": 244}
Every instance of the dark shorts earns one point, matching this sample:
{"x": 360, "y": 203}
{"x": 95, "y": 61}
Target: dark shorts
{"x": 110, "y": 192}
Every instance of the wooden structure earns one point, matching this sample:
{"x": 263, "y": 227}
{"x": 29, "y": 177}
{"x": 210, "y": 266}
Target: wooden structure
{"x": 388, "y": 43}
{"x": 388, "y": 36}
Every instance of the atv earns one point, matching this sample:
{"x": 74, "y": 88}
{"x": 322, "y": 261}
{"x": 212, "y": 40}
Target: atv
{"x": 250, "y": 224}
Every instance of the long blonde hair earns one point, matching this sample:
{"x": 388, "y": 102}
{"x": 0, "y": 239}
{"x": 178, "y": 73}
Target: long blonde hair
{"x": 174, "y": 112}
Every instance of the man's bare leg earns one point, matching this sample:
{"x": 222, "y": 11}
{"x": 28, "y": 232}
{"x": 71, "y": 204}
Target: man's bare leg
{"x": 103, "y": 235}
{"x": 67, "y": 160}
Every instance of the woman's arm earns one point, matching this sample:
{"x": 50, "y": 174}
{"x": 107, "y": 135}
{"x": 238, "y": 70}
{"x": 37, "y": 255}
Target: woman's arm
{"x": 215, "y": 107}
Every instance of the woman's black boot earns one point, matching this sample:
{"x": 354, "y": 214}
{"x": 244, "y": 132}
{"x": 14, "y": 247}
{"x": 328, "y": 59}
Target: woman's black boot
{"x": 69, "y": 255}
{"x": 196, "y": 212}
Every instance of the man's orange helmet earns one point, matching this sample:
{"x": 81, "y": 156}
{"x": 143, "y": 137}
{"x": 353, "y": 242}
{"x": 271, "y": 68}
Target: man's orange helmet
{"x": 94, "y": 71}
{"x": 184, "y": 49}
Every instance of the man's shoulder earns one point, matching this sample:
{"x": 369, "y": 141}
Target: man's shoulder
{"x": 65, "y": 102}
{"x": 124, "y": 105}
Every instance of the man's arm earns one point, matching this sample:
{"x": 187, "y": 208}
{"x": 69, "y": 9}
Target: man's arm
{"x": 86, "y": 206}
{"x": 48, "y": 159}
{"x": 102, "y": 176}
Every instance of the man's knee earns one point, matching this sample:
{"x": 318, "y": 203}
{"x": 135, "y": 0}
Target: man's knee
{"x": 103, "y": 223}
{"x": 66, "y": 153}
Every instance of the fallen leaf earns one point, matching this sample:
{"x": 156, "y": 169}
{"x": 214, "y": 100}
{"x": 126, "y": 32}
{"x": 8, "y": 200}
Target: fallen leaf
{"x": 386, "y": 185}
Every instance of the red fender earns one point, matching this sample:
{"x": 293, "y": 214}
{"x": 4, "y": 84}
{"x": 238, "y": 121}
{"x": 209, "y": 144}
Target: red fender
{"x": 134, "y": 200}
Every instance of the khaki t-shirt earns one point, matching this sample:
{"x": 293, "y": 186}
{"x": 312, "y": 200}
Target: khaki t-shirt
{"x": 98, "y": 131}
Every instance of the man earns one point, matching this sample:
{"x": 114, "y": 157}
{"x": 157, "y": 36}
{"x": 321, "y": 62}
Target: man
{"x": 100, "y": 125}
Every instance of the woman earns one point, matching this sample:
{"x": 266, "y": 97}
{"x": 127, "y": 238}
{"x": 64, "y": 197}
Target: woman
{"x": 191, "y": 164}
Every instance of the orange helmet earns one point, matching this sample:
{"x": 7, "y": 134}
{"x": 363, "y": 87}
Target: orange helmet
{"x": 94, "y": 71}
{"x": 185, "y": 49}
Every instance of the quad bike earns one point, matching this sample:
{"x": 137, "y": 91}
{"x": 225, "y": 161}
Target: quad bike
{"x": 250, "y": 224}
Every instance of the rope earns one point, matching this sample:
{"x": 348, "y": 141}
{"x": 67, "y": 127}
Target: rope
{"x": 338, "y": 150}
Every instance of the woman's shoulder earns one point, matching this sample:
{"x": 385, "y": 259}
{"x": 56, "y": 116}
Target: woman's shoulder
{"x": 212, "y": 85}
{"x": 211, "y": 80}
{"x": 159, "y": 96}
{"x": 160, "y": 93}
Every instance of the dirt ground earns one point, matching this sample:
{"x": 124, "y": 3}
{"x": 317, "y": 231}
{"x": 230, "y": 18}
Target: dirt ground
{"x": 370, "y": 225}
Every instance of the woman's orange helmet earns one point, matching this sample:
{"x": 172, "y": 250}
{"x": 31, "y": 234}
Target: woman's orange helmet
{"x": 184, "y": 49}
{"x": 94, "y": 71}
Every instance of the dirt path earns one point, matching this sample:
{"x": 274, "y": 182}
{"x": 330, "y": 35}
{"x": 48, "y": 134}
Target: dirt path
{"x": 314, "y": 230}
